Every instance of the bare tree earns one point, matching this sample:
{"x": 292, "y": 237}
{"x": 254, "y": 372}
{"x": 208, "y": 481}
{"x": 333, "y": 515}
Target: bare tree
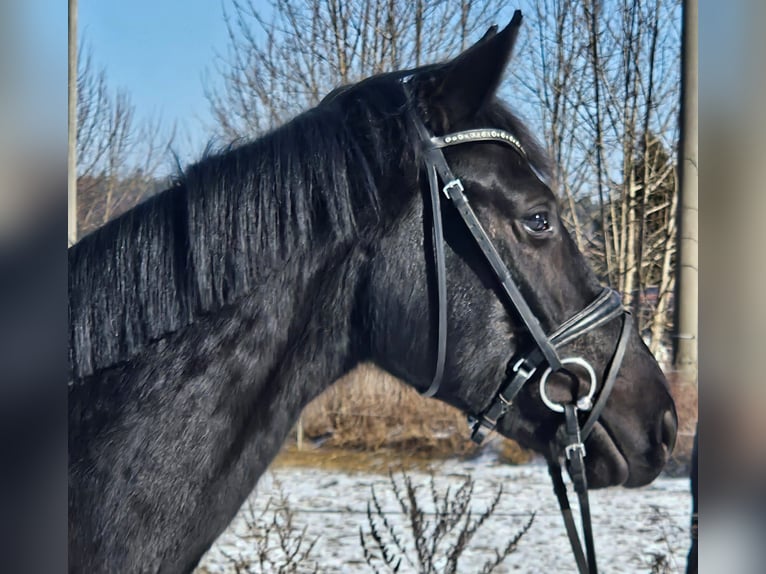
{"x": 603, "y": 79}
{"x": 552, "y": 64}
{"x": 645, "y": 86}
{"x": 118, "y": 157}
{"x": 279, "y": 65}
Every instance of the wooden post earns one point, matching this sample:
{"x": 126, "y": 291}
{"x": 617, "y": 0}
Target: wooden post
{"x": 685, "y": 352}
{"x": 72, "y": 128}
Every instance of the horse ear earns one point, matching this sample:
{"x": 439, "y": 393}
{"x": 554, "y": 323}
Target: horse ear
{"x": 459, "y": 88}
{"x": 488, "y": 34}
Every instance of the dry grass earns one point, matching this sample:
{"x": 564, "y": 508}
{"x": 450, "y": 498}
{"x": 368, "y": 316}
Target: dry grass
{"x": 369, "y": 409}
{"x": 685, "y": 394}
{"x": 511, "y": 453}
{"x": 351, "y": 461}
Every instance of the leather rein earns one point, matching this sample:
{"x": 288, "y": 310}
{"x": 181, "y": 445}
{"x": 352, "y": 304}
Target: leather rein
{"x": 544, "y": 355}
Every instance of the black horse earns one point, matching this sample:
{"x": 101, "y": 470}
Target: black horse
{"x": 205, "y": 319}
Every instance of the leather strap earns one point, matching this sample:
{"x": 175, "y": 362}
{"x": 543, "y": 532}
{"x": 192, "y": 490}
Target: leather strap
{"x": 575, "y": 456}
{"x": 481, "y": 134}
{"x": 453, "y": 189}
{"x": 611, "y": 377}
{"x": 441, "y": 283}
{"x": 606, "y": 307}
{"x": 560, "y": 490}
{"x": 575, "y": 453}
{"x": 437, "y": 167}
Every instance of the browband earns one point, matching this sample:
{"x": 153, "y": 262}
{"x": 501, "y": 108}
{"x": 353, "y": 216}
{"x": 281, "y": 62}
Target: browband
{"x": 477, "y": 135}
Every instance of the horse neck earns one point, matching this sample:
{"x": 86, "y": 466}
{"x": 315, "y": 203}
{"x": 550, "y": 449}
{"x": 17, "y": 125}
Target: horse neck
{"x": 219, "y": 397}
{"x": 284, "y": 342}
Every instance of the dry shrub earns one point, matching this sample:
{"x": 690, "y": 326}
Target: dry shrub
{"x": 511, "y": 453}
{"x": 271, "y": 543}
{"x": 431, "y": 540}
{"x": 663, "y": 561}
{"x": 369, "y": 409}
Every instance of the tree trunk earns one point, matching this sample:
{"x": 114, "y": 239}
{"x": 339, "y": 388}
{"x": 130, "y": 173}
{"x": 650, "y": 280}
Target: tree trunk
{"x": 685, "y": 356}
{"x": 72, "y": 127}
{"x": 666, "y": 283}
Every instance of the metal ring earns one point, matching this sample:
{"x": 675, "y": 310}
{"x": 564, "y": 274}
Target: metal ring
{"x": 583, "y": 403}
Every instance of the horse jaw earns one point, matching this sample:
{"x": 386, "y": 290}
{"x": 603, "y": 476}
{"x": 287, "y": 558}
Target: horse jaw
{"x": 609, "y": 467}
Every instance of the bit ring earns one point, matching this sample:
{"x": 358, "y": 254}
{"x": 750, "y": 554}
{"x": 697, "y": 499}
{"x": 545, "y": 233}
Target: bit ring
{"x": 583, "y": 403}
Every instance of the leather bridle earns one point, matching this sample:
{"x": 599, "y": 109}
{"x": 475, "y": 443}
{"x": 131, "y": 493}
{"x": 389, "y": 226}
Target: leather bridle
{"x": 544, "y": 355}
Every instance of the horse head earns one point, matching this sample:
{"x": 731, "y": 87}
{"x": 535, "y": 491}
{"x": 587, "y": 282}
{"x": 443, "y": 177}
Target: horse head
{"x": 506, "y": 184}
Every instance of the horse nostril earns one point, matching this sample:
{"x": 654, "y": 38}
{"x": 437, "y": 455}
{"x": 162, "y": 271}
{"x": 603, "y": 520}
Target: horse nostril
{"x": 669, "y": 427}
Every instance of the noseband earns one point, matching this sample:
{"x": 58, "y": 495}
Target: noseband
{"x": 544, "y": 355}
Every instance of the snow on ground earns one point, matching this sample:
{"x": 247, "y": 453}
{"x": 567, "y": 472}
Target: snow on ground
{"x": 630, "y": 525}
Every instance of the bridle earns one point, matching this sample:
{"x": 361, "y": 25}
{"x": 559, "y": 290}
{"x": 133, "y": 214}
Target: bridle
{"x": 544, "y": 354}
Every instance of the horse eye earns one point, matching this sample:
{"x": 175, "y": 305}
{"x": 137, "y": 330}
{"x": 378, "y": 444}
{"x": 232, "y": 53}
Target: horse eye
{"x": 537, "y": 222}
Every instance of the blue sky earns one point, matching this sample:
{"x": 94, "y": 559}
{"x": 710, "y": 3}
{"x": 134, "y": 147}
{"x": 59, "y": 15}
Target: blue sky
{"x": 161, "y": 52}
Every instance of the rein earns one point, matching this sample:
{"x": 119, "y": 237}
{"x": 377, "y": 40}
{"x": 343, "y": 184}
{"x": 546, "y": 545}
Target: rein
{"x": 521, "y": 368}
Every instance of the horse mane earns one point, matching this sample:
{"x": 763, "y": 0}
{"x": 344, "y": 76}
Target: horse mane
{"x": 232, "y": 218}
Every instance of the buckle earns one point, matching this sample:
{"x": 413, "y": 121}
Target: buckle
{"x": 450, "y": 185}
{"x": 480, "y": 432}
{"x": 524, "y": 372}
{"x": 571, "y": 449}
{"x": 481, "y": 426}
